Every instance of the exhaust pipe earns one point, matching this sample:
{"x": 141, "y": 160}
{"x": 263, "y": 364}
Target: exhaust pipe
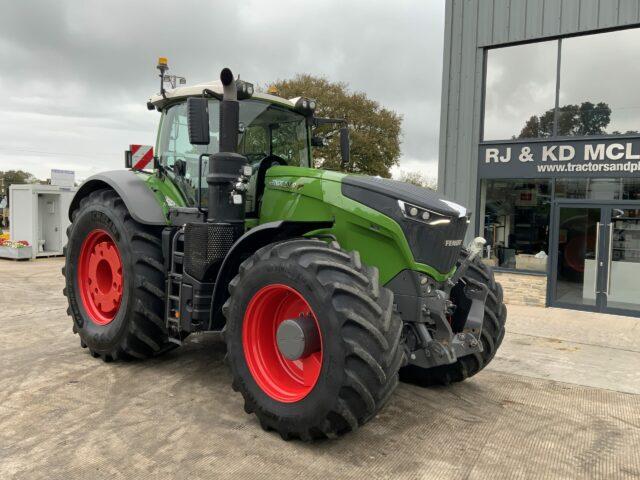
{"x": 229, "y": 113}
{"x": 226, "y": 167}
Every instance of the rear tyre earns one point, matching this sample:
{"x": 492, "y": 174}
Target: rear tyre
{"x": 493, "y": 329}
{"x": 115, "y": 281}
{"x": 351, "y": 371}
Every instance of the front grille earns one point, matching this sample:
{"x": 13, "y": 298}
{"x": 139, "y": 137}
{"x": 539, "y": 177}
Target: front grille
{"x": 433, "y": 245}
{"x": 436, "y": 245}
{"x": 206, "y": 245}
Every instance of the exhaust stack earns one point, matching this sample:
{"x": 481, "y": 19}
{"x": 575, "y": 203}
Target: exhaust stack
{"x": 207, "y": 243}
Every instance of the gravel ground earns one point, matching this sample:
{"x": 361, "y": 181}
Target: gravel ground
{"x": 561, "y": 400}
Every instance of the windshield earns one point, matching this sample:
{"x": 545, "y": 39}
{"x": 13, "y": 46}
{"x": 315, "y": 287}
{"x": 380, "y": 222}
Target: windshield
{"x": 267, "y": 130}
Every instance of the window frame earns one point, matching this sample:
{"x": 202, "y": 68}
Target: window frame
{"x": 554, "y": 136}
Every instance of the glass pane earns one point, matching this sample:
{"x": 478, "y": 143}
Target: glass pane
{"x": 599, "y": 84}
{"x": 577, "y": 269}
{"x": 625, "y": 259}
{"x": 516, "y": 223}
{"x": 598, "y": 188}
{"x": 520, "y": 91}
{"x": 180, "y": 157}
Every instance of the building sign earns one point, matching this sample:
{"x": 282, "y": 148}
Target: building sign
{"x": 63, "y": 178}
{"x": 617, "y": 157}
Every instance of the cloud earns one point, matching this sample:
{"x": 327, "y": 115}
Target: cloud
{"x": 75, "y": 76}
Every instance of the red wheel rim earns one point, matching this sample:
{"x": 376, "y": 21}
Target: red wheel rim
{"x": 100, "y": 277}
{"x": 280, "y": 378}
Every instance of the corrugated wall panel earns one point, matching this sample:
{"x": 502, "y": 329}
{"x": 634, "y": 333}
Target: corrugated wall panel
{"x": 500, "y": 21}
{"x": 508, "y": 21}
{"x": 570, "y": 21}
{"x": 443, "y": 144}
{"x": 453, "y": 98}
{"x": 629, "y": 11}
{"x": 485, "y": 23}
{"x": 467, "y": 95}
{"x": 608, "y": 13}
{"x": 533, "y": 22}
{"x": 589, "y": 14}
{"x": 552, "y": 16}
{"x": 517, "y": 19}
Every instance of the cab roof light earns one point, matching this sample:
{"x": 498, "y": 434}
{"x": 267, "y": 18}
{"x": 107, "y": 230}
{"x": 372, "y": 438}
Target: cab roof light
{"x": 245, "y": 89}
{"x": 303, "y": 105}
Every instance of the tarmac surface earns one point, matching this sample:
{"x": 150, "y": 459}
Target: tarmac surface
{"x": 561, "y": 400}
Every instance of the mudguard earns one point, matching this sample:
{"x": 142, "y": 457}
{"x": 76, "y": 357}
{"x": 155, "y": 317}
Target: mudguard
{"x": 139, "y": 199}
{"x": 246, "y": 245}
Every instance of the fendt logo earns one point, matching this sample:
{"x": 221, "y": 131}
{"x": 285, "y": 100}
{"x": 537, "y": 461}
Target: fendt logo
{"x": 285, "y": 184}
{"x": 452, "y": 243}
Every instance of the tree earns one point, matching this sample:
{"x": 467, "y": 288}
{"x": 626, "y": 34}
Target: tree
{"x": 9, "y": 177}
{"x": 418, "y": 178}
{"x": 374, "y": 130}
{"x": 573, "y": 120}
{"x": 17, "y": 176}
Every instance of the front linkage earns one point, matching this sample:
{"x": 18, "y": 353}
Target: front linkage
{"x": 430, "y": 337}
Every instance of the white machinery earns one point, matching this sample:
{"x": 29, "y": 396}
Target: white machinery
{"x": 38, "y": 214}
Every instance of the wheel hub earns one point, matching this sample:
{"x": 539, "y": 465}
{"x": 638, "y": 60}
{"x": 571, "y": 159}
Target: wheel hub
{"x": 100, "y": 277}
{"x": 298, "y": 338}
{"x": 282, "y": 343}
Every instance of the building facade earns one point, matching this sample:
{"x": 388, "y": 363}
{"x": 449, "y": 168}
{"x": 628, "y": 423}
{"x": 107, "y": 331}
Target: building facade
{"x": 540, "y": 137}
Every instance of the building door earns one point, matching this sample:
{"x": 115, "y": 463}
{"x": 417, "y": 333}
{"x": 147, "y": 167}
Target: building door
{"x": 596, "y": 258}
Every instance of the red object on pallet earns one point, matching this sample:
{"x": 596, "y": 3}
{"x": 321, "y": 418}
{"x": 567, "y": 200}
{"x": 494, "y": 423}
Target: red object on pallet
{"x": 141, "y": 155}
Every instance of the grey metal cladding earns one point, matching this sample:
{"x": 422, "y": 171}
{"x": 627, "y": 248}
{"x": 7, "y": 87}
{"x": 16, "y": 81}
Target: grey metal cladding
{"x": 506, "y": 21}
{"x": 473, "y": 24}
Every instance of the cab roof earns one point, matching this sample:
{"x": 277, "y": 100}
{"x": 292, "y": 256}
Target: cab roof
{"x": 216, "y": 86}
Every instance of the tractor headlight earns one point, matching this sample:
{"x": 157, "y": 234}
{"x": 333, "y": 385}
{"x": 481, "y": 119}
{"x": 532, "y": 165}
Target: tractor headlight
{"x": 419, "y": 214}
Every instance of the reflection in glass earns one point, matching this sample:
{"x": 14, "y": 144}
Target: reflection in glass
{"x": 520, "y": 83}
{"x": 577, "y": 243}
{"x": 598, "y": 188}
{"x": 516, "y": 223}
{"x": 599, "y": 91}
{"x": 624, "y": 262}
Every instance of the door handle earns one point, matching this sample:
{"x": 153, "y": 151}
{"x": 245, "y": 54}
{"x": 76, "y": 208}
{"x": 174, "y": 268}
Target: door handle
{"x": 595, "y": 278}
{"x": 609, "y": 260}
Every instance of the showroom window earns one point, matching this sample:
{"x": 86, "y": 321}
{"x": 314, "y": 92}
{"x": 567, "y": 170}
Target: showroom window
{"x": 520, "y": 83}
{"x": 599, "y": 92}
{"x": 576, "y": 86}
{"x": 598, "y": 188}
{"x": 516, "y": 223}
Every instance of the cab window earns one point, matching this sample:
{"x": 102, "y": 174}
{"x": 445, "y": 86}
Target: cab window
{"x": 178, "y": 156}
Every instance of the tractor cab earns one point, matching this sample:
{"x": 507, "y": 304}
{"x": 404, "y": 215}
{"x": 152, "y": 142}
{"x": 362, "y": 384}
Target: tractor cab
{"x": 272, "y": 131}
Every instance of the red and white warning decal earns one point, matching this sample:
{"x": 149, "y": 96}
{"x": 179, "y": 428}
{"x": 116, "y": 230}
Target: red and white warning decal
{"x": 141, "y": 155}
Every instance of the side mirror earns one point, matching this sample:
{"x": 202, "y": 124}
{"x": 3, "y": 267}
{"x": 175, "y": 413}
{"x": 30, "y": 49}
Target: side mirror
{"x": 318, "y": 142}
{"x": 198, "y": 120}
{"x": 344, "y": 147}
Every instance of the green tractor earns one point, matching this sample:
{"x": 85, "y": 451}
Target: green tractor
{"x": 326, "y": 287}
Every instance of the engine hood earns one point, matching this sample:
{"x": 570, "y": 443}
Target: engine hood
{"x": 406, "y": 192}
{"x": 436, "y": 238}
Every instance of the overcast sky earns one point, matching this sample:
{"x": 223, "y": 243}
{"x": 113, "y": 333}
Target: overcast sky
{"x": 75, "y": 75}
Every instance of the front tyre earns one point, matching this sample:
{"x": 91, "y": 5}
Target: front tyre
{"x": 493, "y": 329}
{"x": 114, "y": 280}
{"x": 312, "y": 339}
